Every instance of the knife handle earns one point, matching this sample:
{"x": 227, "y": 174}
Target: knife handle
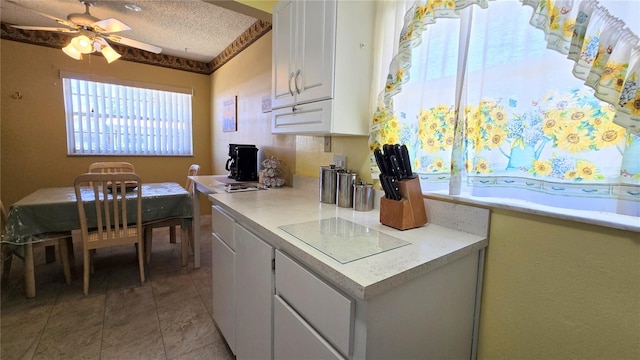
{"x": 396, "y": 151}
{"x": 395, "y": 189}
{"x": 385, "y": 186}
{"x": 386, "y": 148}
{"x": 390, "y": 187}
{"x": 398, "y": 154}
{"x": 387, "y": 164}
{"x": 377, "y": 154}
{"x": 395, "y": 167}
{"x": 406, "y": 160}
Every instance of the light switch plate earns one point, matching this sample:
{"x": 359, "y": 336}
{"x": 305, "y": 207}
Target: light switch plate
{"x": 340, "y": 161}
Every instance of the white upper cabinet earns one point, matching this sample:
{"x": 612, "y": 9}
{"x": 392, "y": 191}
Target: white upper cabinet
{"x": 303, "y": 51}
{"x": 322, "y": 51}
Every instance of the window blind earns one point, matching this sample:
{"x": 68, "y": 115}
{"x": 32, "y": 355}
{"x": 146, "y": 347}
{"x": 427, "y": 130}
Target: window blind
{"x": 114, "y": 119}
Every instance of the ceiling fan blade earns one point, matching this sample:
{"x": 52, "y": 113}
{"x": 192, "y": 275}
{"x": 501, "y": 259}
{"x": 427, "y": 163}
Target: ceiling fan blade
{"x": 110, "y": 25}
{"x": 44, "y": 28}
{"x": 134, "y": 43}
{"x": 58, "y": 20}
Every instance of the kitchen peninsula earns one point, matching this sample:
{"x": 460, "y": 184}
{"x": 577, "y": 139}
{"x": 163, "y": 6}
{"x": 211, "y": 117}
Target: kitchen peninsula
{"x": 397, "y": 294}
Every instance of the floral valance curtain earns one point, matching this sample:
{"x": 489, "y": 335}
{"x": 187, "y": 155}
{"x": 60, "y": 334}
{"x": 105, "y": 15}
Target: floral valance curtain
{"x": 606, "y": 54}
{"x": 482, "y": 99}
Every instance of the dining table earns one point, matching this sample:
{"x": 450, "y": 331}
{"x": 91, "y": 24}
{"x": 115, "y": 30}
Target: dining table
{"x": 54, "y": 211}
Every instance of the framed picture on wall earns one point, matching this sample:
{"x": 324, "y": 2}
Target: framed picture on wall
{"x": 266, "y": 103}
{"x": 230, "y": 114}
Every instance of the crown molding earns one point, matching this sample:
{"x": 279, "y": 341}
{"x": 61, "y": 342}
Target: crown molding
{"x": 59, "y": 40}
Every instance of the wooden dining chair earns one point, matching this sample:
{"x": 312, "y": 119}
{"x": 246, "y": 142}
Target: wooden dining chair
{"x": 111, "y": 167}
{"x": 194, "y": 169}
{"x": 25, "y": 252}
{"x": 117, "y": 218}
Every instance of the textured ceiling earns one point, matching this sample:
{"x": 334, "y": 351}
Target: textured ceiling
{"x": 188, "y": 29}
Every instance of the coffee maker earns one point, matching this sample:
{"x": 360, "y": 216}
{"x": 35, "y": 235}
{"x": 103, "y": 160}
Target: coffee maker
{"x": 243, "y": 162}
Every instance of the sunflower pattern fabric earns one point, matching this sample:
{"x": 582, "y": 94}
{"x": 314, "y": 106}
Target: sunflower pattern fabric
{"x": 554, "y": 140}
{"x": 574, "y": 142}
{"x": 606, "y": 54}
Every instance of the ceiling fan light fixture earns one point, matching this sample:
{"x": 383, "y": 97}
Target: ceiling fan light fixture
{"x": 82, "y": 44}
{"x": 72, "y": 52}
{"x": 92, "y": 33}
{"x": 110, "y": 54}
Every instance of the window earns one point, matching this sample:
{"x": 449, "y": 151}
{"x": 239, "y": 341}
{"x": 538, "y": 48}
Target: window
{"x": 114, "y": 119}
{"x": 515, "y": 118}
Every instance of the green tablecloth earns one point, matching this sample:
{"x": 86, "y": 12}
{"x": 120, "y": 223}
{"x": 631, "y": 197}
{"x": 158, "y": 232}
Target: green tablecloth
{"x": 51, "y": 210}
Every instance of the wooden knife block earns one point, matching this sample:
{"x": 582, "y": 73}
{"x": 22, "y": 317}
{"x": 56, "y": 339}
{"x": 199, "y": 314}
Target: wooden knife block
{"x": 408, "y": 212}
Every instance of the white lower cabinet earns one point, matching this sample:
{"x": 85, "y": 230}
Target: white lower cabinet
{"x": 224, "y": 277}
{"x": 254, "y": 296}
{"x": 293, "y": 312}
{"x": 243, "y": 287}
{"x": 294, "y": 338}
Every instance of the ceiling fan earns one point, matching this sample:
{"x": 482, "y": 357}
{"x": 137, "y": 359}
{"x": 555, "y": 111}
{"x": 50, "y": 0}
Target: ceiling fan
{"x": 94, "y": 33}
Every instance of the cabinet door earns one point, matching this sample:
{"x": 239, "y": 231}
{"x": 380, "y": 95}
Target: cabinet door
{"x": 303, "y": 52}
{"x": 315, "y": 50}
{"x": 223, "y": 273}
{"x": 254, "y": 295}
{"x": 283, "y": 54}
{"x": 295, "y": 339}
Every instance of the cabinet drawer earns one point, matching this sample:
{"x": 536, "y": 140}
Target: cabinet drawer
{"x": 313, "y": 118}
{"x": 326, "y": 309}
{"x": 295, "y": 339}
{"x": 223, "y": 225}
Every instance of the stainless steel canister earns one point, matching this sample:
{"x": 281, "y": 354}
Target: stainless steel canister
{"x": 328, "y": 180}
{"x": 363, "y": 197}
{"x": 346, "y": 181}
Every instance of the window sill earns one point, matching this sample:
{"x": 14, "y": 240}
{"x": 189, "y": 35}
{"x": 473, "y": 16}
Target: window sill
{"x": 606, "y": 219}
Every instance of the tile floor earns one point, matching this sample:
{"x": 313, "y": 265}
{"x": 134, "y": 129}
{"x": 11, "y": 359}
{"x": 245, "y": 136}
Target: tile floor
{"x": 168, "y": 317}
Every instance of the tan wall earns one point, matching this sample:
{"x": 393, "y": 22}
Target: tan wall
{"x": 559, "y": 290}
{"x": 264, "y": 5}
{"x": 33, "y": 140}
{"x": 310, "y": 155}
{"x": 248, "y": 76}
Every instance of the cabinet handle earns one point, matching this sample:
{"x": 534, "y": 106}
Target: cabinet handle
{"x": 290, "y": 90}
{"x": 298, "y": 87}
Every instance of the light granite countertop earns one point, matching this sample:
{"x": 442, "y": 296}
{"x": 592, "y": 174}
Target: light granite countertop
{"x": 601, "y": 218}
{"x": 431, "y": 245}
